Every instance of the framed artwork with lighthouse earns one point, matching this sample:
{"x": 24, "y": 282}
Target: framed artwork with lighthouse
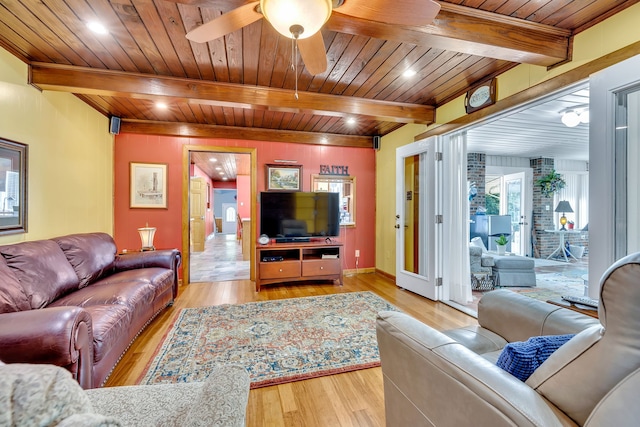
{"x": 148, "y": 183}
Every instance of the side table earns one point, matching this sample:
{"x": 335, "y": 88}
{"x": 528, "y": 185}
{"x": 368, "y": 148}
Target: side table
{"x": 584, "y": 309}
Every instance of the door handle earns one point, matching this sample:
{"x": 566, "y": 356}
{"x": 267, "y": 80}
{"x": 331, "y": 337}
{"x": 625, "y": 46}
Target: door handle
{"x": 397, "y": 226}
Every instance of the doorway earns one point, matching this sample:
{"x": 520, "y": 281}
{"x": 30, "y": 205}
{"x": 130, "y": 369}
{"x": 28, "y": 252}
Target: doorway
{"x": 614, "y": 197}
{"x": 509, "y": 193}
{"x": 416, "y": 234}
{"x": 247, "y": 158}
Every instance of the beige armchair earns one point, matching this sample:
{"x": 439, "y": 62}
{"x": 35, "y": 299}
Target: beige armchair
{"x": 450, "y": 378}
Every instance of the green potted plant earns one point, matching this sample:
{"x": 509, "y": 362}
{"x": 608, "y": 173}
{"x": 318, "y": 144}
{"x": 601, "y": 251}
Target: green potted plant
{"x": 501, "y": 243}
{"x": 551, "y": 183}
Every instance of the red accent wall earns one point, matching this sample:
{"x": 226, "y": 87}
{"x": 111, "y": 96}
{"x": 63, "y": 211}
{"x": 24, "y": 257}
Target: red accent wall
{"x": 164, "y": 149}
{"x": 244, "y": 196}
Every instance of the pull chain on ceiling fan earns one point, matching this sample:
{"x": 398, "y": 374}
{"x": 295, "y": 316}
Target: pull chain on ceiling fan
{"x": 296, "y": 31}
{"x": 310, "y": 16}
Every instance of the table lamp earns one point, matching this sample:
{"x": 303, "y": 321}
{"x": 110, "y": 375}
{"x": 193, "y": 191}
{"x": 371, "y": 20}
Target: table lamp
{"x": 146, "y": 235}
{"x": 563, "y": 206}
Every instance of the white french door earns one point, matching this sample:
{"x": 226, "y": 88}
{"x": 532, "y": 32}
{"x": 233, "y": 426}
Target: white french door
{"x": 517, "y": 203}
{"x": 416, "y": 231}
{"x": 614, "y": 153}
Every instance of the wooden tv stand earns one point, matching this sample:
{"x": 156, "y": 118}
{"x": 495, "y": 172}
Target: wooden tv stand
{"x": 295, "y": 262}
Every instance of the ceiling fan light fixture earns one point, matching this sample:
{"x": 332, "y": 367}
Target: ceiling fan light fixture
{"x": 584, "y": 116}
{"x": 570, "y": 119}
{"x": 285, "y": 14}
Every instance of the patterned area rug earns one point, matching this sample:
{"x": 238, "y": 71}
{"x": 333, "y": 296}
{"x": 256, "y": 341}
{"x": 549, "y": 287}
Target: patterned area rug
{"x": 276, "y": 341}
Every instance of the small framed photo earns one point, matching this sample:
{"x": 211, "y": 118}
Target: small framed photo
{"x": 148, "y": 185}
{"x": 284, "y": 177}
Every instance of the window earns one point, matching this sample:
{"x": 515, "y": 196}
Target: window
{"x": 345, "y": 186}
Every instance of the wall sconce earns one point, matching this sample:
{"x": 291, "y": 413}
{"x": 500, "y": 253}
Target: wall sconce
{"x": 563, "y": 207}
{"x": 146, "y": 236}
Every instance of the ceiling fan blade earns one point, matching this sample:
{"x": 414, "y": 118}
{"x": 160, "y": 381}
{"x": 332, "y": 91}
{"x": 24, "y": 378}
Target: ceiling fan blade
{"x": 226, "y": 23}
{"x": 400, "y": 12}
{"x": 313, "y": 53}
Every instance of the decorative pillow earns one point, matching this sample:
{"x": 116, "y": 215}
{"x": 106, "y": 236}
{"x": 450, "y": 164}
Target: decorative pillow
{"x": 477, "y": 241}
{"x": 520, "y": 359}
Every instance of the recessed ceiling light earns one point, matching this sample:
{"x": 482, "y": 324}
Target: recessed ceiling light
{"x": 218, "y": 168}
{"x": 221, "y": 173}
{"x": 97, "y": 27}
{"x": 225, "y": 178}
{"x": 351, "y": 121}
{"x": 409, "y": 73}
{"x": 161, "y": 105}
{"x": 213, "y": 159}
{"x": 324, "y": 140}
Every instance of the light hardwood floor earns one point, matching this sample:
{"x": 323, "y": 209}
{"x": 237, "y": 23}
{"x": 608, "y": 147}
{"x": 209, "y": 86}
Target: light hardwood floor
{"x": 349, "y": 399}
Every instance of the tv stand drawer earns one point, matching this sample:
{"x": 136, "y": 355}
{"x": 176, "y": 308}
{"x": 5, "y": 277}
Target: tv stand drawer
{"x": 321, "y": 267}
{"x": 279, "y": 269}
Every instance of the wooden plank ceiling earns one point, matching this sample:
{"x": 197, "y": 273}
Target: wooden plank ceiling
{"x": 242, "y": 85}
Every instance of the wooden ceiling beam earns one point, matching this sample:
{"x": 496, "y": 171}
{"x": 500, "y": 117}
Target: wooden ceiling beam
{"x": 91, "y": 81}
{"x": 194, "y": 130}
{"x": 471, "y": 31}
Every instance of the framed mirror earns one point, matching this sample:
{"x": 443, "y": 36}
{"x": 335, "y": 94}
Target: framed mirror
{"x": 13, "y": 187}
{"x": 346, "y": 187}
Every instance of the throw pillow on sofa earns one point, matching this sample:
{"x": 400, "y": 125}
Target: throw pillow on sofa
{"x": 521, "y": 359}
{"x": 477, "y": 241}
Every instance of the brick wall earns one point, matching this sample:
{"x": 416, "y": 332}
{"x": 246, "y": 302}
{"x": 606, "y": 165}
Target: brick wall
{"x": 546, "y": 243}
{"x": 476, "y": 169}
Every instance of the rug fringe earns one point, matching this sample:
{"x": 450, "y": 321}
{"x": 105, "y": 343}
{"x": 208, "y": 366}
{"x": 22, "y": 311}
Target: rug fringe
{"x": 312, "y": 375}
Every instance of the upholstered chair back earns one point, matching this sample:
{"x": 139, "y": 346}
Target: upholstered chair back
{"x": 581, "y": 372}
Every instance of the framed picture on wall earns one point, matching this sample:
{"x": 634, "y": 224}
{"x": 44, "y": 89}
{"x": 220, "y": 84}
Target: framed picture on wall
{"x": 148, "y": 182}
{"x": 284, "y": 177}
{"x": 13, "y": 187}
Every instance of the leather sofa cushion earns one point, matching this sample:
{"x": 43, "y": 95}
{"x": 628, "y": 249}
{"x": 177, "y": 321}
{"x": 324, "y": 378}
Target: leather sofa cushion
{"x": 42, "y": 270}
{"x": 108, "y": 324}
{"x": 91, "y": 255}
{"x": 12, "y": 296}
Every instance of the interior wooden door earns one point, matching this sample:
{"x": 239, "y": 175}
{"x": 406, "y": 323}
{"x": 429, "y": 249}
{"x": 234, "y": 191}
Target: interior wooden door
{"x": 197, "y": 209}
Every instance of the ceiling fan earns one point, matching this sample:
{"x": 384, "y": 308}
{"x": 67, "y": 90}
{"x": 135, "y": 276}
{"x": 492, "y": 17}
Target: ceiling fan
{"x": 302, "y": 20}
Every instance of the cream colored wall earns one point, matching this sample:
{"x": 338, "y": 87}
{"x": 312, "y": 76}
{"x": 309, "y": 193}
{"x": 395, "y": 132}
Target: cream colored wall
{"x": 70, "y": 158}
{"x": 608, "y": 36}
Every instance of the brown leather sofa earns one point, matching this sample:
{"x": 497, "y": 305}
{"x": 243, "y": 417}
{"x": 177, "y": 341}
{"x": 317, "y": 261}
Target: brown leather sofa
{"x": 72, "y": 301}
{"x": 450, "y": 378}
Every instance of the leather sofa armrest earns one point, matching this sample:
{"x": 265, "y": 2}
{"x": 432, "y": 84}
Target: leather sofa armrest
{"x": 165, "y": 258}
{"x": 59, "y": 336}
{"x": 429, "y": 379}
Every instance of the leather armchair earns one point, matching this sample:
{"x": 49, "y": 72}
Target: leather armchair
{"x": 450, "y": 378}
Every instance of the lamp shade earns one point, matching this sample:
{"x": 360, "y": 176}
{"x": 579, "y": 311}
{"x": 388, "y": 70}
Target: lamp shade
{"x": 564, "y": 206}
{"x": 284, "y": 14}
{"x": 146, "y": 236}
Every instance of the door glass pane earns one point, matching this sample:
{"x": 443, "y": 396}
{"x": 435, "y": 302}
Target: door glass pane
{"x": 627, "y": 149}
{"x": 514, "y": 208}
{"x": 414, "y": 176}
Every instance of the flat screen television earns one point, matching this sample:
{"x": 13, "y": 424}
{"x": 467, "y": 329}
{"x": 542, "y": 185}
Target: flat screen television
{"x": 299, "y": 215}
